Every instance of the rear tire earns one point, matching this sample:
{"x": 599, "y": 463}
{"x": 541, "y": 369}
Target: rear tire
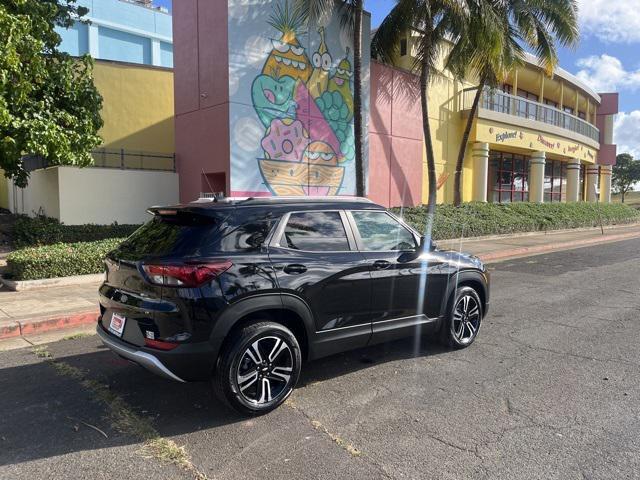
{"x": 462, "y": 324}
{"x": 258, "y": 368}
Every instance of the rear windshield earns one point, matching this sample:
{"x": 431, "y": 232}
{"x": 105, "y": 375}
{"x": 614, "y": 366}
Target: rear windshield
{"x": 176, "y": 235}
{"x": 190, "y": 235}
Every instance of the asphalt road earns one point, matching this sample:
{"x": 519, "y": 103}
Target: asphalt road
{"x": 550, "y": 390}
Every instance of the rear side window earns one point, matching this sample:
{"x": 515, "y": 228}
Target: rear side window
{"x": 315, "y": 232}
{"x": 381, "y": 232}
{"x": 176, "y": 235}
{"x": 246, "y": 233}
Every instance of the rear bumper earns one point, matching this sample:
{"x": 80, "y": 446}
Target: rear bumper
{"x": 143, "y": 359}
{"x": 186, "y": 363}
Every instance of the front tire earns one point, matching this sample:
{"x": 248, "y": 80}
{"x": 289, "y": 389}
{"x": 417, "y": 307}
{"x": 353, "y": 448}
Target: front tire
{"x": 462, "y": 324}
{"x": 258, "y": 368}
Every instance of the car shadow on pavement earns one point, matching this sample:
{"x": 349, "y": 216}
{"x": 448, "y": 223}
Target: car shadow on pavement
{"x": 363, "y": 358}
{"x": 46, "y": 413}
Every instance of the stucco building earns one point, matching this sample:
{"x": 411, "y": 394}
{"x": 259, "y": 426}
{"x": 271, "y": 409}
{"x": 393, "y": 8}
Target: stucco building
{"x": 536, "y": 138}
{"x": 251, "y": 100}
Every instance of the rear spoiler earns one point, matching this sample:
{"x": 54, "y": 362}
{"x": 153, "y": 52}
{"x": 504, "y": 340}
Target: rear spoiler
{"x": 173, "y": 210}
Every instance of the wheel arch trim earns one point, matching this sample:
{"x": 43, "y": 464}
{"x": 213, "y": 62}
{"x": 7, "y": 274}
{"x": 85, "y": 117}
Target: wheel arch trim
{"x": 256, "y": 303}
{"x": 466, "y": 277}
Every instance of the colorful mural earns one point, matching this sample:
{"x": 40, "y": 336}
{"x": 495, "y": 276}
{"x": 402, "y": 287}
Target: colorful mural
{"x": 302, "y": 97}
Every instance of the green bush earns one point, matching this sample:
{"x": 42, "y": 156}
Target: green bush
{"x": 478, "y": 219}
{"x": 43, "y": 230}
{"x": 60, "y": 259}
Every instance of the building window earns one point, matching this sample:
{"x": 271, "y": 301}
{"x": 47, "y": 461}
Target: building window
{"x": 551, "y": 116}
{"x": 527, "y": 109}
{"x": 508, "y": 177}
{"x": 403, "y": 47}
{"x": 555, "y": 181}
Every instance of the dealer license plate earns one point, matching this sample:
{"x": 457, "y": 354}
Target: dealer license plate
{"x": 117, "y": 324}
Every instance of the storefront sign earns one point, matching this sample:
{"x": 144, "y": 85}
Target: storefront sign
{"x": 501, "y": 137}
{"x": 547, "y": 143}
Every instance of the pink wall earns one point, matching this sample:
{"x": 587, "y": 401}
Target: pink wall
{"x": 608, "y": 106}
{"x": 395, "y": 137}
{"x": 201, "y": 86}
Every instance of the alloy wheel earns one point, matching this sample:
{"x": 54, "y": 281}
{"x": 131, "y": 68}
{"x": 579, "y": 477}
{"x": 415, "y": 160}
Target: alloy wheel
{"x": 466, "y": 319}
{"x": 264, "y": 371}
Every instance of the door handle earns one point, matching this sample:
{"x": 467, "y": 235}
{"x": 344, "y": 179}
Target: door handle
{"x": 294, "y": 269}
{"x": 381, "y": 264}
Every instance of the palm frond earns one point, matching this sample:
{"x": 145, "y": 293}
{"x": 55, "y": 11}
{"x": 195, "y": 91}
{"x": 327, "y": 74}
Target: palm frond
{"x": 289, "y": 18}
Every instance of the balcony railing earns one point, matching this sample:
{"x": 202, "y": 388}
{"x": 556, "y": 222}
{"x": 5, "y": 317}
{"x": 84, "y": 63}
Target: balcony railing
{"x": 116, "y": 158}
{"x": 498, "y": 101}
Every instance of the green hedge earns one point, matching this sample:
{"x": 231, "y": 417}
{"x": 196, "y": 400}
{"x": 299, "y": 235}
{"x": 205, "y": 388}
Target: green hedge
{"x": 477, "y": 219}
{"x": 59, "y": 260}
{"x": 43, "y": 230}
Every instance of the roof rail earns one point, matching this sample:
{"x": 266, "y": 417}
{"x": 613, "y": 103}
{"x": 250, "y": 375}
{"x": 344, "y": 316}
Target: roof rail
{"x": 304, "y": 198}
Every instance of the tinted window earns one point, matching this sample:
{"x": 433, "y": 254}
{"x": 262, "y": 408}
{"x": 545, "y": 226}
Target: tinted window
{"x": 246, "y": 233}
{"x": 381, "y": 232}
{"x": 180, "y": 235}
{"x": 315, "y": 232}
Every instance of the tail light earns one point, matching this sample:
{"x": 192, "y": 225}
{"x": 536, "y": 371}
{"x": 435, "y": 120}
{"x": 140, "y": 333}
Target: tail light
{"x": 160, "y": 344}
{"x": 185, "y": 275}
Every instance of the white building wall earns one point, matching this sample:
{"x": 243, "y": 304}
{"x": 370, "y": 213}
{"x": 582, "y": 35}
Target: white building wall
{"x": 40, "y": 196}
{"x": 104, "y": 196}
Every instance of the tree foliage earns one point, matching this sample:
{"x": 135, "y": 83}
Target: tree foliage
{"x": 625, "y": 173}
{"x": 49, "y": 106}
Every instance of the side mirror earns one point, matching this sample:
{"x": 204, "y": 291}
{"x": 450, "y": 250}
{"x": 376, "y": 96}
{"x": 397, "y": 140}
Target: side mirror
{"x": 427, "y": 245}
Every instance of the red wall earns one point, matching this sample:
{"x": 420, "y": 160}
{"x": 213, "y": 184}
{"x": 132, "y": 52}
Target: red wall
{"x": 608, "y": 106}
{"x": 395, "y": 137}
{"x": 201, "y": 87}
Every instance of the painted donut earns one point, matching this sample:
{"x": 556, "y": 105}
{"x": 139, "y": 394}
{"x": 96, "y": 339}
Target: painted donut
{"x": 285, "y": 140}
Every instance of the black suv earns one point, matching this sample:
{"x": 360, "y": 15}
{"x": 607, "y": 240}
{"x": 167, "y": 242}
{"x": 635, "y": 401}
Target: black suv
{"x": 242, "y": 291}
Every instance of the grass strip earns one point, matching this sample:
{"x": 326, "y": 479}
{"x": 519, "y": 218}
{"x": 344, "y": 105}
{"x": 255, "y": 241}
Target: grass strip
{"x": 123, "y": 418}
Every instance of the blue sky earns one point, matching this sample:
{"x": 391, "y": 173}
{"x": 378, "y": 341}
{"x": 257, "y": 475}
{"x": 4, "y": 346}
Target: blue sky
{"x": 607, "y": 57}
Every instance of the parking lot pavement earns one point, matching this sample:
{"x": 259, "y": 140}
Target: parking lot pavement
{"x": 549, "y": 390}
{"x": 46, "y": 429}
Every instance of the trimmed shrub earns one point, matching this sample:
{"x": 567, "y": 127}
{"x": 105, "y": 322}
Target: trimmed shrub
{"x": 60, "y": 259}
{"x": 478, "y": 219}
{"x": 41, "y": 230}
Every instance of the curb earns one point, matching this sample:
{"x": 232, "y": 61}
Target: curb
{"x": 22, "y": 285}
{"x": 32, "y": 326}
{"x": 493, "y": 257}
{"x": 503, "y": 236}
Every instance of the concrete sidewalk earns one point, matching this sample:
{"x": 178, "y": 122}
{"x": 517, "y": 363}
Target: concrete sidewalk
{"x": 503, "y": 247}
{"x": 34, "y": 312}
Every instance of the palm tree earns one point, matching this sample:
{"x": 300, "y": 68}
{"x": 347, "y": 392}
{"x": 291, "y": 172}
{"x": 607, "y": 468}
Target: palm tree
{"x": 433, "y": 22}
{"x": 351, "y": 21}
{"x": 492, "y": 46}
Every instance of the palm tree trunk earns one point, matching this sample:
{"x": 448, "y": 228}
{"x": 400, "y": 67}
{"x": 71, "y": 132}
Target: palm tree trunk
{"x": 426, "y": 130}
{"x": 457, "y": 176}
{"x": 357, "y": 98}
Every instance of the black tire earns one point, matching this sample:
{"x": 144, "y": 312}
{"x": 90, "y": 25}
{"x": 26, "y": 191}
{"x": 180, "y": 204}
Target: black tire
{"x": 256, "y": 382}
{"x": 460, "y": 329}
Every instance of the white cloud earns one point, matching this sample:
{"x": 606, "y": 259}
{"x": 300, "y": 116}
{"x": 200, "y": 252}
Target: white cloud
{"x": 605, "y": 73}
{"x": 615, "y": 21}
{"x": 626, "y": 133}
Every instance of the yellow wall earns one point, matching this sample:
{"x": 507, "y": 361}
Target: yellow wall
{"x": 4, "y": 191}
{"x": 137, "y": 107}
{"x": 447, "y": 127}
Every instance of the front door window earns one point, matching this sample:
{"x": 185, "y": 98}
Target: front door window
{"x": 380, "y": 232}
